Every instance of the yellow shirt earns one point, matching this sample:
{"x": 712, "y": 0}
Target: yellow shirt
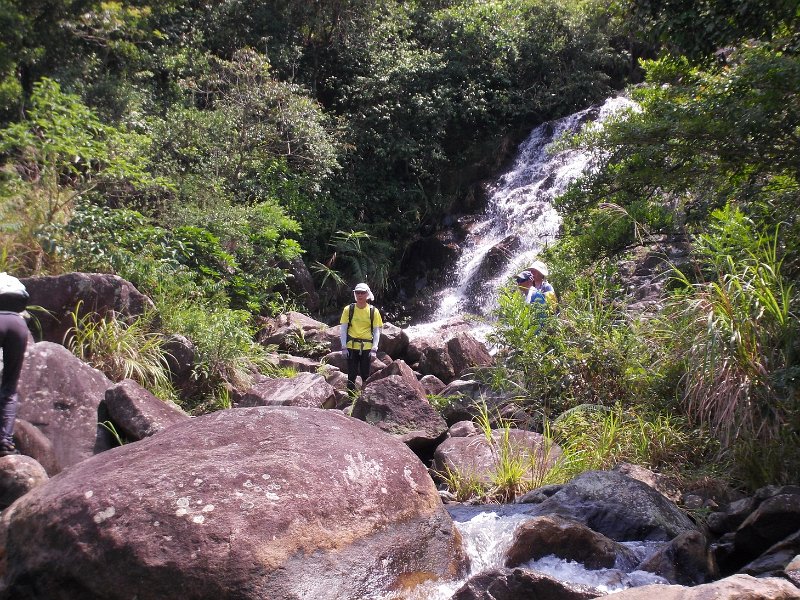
{"x": 359, "y": 326}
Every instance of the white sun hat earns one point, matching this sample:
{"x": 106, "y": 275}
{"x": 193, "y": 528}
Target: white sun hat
{"x": 363, "y": 287}
{"x": 541, "y": 267}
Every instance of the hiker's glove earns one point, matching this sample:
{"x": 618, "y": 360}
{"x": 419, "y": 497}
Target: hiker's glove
{"x": 345, "y": 353}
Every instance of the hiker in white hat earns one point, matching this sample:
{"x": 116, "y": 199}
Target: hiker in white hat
{"x": 360, "y": 333}
{"x": 540, "y": 272}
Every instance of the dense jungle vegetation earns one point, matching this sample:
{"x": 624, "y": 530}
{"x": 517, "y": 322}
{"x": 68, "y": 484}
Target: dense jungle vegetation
{"x": 196, "y": 148}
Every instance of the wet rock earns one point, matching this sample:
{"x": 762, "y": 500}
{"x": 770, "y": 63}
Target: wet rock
{"x": 519, "y": 584}
{"x": 565, "y": 538}
{"x": 733, "y": 516}
{"x": 686, "y": 560}
{"x": 775, "y": 518}
{"x": 775, "y": 561}
{"x": 244, "y": 503}
{"x": 618, "y": 507}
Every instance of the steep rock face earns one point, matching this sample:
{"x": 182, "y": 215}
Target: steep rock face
{"x": 250, "y": 503}
{"x": 60, "y": 395}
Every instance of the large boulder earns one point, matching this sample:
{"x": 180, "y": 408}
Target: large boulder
{"x": 397, "y": 407}
{"x": 476, "y": 458}
{"x": 277, "y": 502}
{"x": 136, "y": 413}
{"x": 400, "y": 368}
{"x": 736, "y": 587}
{"x": 100, "y": 293}
{"x": 60, "y": 395}
{"x": 617, "y": 506}
{"x": 467, "y": 353}
{"x": 306, "y": 389}
{"x": 394, "y": 341}
{"x": 565, "y": 538}
{"x": 290, "y": 331}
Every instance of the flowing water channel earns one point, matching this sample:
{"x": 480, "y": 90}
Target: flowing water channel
{"x": 518, "y": 222}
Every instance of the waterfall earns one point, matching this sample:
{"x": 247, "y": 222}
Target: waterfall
{"x": 519, "y": 219}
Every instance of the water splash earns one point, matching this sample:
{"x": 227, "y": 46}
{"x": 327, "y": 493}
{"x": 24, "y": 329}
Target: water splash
{"x": 519, "y": 219}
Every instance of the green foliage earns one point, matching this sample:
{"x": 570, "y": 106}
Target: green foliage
{"x": 743, "y": 342}
{"x": 700, "y": 27}
{"x": 702, "y": 136}
{"x": 57, "y": 155}
{"x": 122, "y": 349}
{"x": 587, "y": 353}
{"x": 226, "y": 358}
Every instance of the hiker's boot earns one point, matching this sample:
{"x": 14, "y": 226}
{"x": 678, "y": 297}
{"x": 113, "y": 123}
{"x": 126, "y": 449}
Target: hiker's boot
{"x": 7, "y": 448}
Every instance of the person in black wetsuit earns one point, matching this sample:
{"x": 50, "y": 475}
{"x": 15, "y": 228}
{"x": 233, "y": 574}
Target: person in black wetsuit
{"x": 13, "y": 340}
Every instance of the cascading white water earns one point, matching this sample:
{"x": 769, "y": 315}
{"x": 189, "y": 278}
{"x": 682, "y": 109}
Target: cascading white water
{"x": 519, "y": 219}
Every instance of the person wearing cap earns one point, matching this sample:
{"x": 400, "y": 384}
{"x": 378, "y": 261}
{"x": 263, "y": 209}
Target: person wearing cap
{"x": 525, "y": 283}
{"x": 360, "y": 333}
{"x": 539, "y": 272}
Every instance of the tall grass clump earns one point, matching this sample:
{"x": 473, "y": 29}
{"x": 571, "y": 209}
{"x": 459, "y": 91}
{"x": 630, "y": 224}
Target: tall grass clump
{"x": 122, "y": 349}
{"x": 742, "y": 346}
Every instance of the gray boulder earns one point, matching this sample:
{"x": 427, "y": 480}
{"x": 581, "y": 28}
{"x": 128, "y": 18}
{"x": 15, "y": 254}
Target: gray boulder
{"x": 101, "y": 293}
{"x": 277, "y": 502}
{"x": 60, "y": 395}
{"x": 618, "y": 507}
{"x": 136, "y": 413}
